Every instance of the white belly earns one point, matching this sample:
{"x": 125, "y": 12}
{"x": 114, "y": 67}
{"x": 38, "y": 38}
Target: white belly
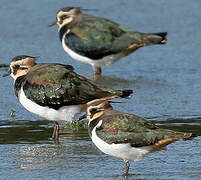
{"x": 95, "y": 63}
{"x": 66, "y": 113}
{"x": 123, "y": 151}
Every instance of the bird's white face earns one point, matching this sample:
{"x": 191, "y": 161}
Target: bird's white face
{"x": 65, "y": 17}
{"x": 21, "y": 67}
{"x": 96, "y": 111}
{"x": 97, "y": 107}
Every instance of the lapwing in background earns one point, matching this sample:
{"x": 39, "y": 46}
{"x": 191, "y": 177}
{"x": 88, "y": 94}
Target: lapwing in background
{"x": 54, "y": 91}
{"x": 99, "y": 41}
{"x": 127, "y": 136}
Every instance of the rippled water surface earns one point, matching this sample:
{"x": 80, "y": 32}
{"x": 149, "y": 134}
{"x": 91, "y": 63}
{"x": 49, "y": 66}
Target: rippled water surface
{"x": 165, "y": 79}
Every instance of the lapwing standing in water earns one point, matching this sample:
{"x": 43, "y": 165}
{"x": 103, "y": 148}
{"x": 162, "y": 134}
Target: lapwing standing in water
{"x": 98, "y": 41}
{"x": 127, "y": 136}
{"x": 54, "y": 91}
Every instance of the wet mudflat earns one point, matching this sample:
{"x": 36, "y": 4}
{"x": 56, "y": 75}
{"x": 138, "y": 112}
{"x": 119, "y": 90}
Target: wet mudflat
{"x": 166, "y": 81}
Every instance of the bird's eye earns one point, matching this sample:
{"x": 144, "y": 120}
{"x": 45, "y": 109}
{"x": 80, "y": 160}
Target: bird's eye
{"x": 93, "y": 111}
{"x": 64, "y": 17}
{"x": 17, "y": 66}
{"x": 23, "y": 68}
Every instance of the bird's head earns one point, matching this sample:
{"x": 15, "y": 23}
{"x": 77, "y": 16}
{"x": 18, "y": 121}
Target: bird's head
{"x": 96, "y": 110}
{"x": 66, "y": 15}
{"x": 20, "y": 66}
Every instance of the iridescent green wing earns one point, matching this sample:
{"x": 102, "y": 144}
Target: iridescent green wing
{"x": 97, "y": 37}
{"x": 56, "y": 85}
{"x": 127, "y": 128}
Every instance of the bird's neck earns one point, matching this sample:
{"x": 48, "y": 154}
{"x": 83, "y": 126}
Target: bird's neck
{"x": 18, "y": 83}
{"x": 92, "y": 125}
{"x": 63, "y": 30}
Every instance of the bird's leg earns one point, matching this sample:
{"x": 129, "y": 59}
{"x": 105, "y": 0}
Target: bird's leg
{"x": 97, "y": 70}
{"x": 55, "y": 134}
{"x": 127, "y": 165}
{"x": 82, "y": 117}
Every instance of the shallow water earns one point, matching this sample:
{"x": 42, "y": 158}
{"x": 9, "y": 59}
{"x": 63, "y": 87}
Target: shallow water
{"x": 165, "y": 80}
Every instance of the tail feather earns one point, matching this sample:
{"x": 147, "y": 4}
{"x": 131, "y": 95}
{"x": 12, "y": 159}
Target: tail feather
{"x": 155, "y": 38}
{"x": 160, "y": 145}
{"x": 126, "y": 93}
{"x": 188, "y": 136}
{"x": 163, "y": 35}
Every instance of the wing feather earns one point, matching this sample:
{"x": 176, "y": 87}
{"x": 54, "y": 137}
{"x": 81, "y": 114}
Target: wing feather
{"x": 96, "y": 38}
{"x": 127, "y": 128}
{"x": 56, "y": 85}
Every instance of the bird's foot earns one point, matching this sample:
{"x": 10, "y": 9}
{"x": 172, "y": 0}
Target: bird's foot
{"x": 55, "y": 134}
{"x": 97, "y": 71}
{"x": 127, "y": 166}
{"x": 82, "y": 117}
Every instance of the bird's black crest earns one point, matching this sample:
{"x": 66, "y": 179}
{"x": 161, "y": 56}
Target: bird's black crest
{"x": 20, "y": 57}
{"x": 66, "y": 9}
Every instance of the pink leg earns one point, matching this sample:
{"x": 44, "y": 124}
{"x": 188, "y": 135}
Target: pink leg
{"x": 97, "y": 70}
{"x": 127, "y": 166}
{"x": 55, "y": 134}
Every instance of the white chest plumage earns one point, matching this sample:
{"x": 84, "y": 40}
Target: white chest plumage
{"x": 95, "y": 63}
{"x": 65, "y": 113}
{"x": 123, "y": 151}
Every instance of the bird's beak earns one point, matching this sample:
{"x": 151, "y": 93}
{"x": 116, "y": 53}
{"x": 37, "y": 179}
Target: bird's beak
{"x": 7, "y": 74}
{"x": 53, "y": 23}
{"x": 89, "y": 9}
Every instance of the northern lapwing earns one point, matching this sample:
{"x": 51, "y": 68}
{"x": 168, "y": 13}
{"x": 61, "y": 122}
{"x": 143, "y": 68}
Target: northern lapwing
{"x": 99, "y": 41}
{"x": 127, "y": 136}
{"x": 54, "y": 91}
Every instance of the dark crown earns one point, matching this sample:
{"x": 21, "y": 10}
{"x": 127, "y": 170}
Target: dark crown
{"x": 67, "y": 9}
{"x": 20, "y": 57}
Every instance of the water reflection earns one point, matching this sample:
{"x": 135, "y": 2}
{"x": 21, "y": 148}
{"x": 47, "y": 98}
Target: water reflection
{"x": 28, "y": 149}
{"x": 40, "y": 131}
{"x": 24, "y": 131}
{"x": 133, "y": 82}
{"x": 186, "y": 125}
{"x": 112, "y": 81}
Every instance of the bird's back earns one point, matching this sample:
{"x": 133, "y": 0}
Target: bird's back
{"x": 121, "y": 127}
{"x": 56, "y": 85}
